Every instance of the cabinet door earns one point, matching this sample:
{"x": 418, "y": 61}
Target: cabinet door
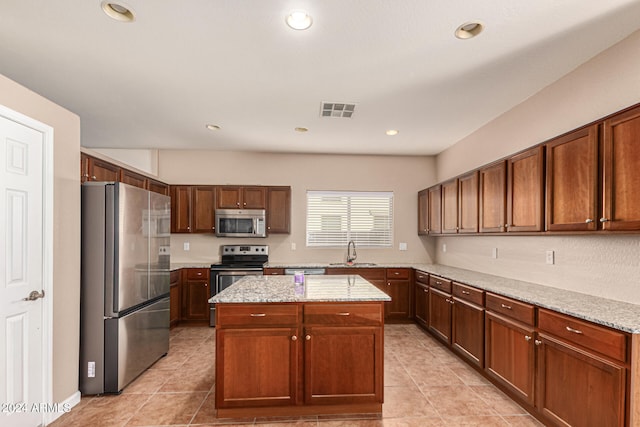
{"x": 343, "y": 365}
{"x": 422, "y": 304}
{"x": 493, "y": 198}
{"x": 132, "y": 178}
{"x": 525, "y": 191}
{"x": 450, "y": 207}
{"x": 203, "y": 208}
{"x": 435, "y": 209}
{"x": 228, "y": 197}
{"x": 157, "y": 187}
{"x": 195, "y": 294}
{"x": 423, "y": 212}
{"x": 254, "y": 198}
{"x": 180, "y": 209}
{"x": 440, "y": 307}
{"x": 279, "y": 210}
{"x": 399, "y": 306}
{"x": 578, "y": 388}
{"x": 468, "y": 203}
{"x": 240, "y": 381}
{"x": 467, "y": 331}
{"x": 99, "y": 170}
{"x": 84, "y": 168}
{"x": 509, "y": 355}
{"x": 621, "y": 172}
{"x": 174, "y": 304}
{"x": 572, "y": 181}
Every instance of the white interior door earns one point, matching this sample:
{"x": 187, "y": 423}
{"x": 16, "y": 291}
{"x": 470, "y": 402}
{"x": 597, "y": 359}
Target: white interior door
{"x": 21, "y": 274}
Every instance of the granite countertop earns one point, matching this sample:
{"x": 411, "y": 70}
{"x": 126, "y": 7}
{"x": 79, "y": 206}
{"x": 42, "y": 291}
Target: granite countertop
{"x": 261, "y": 289}
{"x": 179, "y": 265}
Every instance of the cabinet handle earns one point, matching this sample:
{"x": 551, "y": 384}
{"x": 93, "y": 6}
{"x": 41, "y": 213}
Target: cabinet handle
{"x": 575, "y": 331}
{"x": 508, "y": 307}
{"x": 308, "y": 337}
{"x": 466, "y": 293}
{"x": 538, "y": 342}
{"x": 294, "y": 338}
{"x": 604, "y": 219}
{"x": 527, "y": 338}
{"x": 506, "y": 225}
{"x": 94, "y": 178}
{"x": 396, "y": 273}
{"x": 244, "y": 204}
{"x": 426, "y": 291}
{"x": 388, "y": 284}
{"x": 438, "y": 282}
{"x": 588, "y": 221}
{"x": 344, "y": 314}
{"x": 258, "y": 314}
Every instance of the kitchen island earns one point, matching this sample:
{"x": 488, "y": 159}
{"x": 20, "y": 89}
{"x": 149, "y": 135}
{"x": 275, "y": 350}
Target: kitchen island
{"x": 284, "y": 349}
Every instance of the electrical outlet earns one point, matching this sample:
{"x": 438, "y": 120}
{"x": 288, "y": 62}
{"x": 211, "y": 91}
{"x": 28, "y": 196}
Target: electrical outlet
{"x": 494, "y": 253}
{"x": 163, "y": 250}
{"x": 186, "y": 246}
{"x": 551, "y": 257}
{"x": 444, "y": 247}
{"x": 402, "y": 246}
{"x": 293, "y": 246}
{"x": 91, "y": 369}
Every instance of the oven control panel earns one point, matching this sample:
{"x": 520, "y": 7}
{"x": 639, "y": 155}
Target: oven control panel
{"x": 245, "y": 250}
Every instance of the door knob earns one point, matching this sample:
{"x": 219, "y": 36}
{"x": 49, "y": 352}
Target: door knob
{"x": 34, "y": 295}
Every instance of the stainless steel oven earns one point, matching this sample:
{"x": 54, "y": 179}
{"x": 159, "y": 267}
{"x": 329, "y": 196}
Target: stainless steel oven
{"x": 237, "y": 261}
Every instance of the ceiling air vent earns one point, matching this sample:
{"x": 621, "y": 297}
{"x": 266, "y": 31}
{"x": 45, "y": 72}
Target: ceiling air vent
{"x": 337, "y": 109}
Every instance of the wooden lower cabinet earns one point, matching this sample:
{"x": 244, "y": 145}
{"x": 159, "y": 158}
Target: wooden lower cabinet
{"x": 175, "y": 297}
{"x": 467, "y": 331}
{"x": 195, "y": 295}
{"x": 299, "y": 358}
{"x": 422, "y": 303}
{"x": 440, "y": 308}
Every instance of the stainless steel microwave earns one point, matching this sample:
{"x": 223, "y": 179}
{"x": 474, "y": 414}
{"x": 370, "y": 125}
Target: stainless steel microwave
{"x": 241, "y": 223}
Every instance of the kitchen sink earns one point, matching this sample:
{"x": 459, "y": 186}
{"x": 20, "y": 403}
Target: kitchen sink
{"x": 354, "y": 264}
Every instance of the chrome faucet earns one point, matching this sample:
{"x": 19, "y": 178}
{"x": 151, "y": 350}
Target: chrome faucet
{"x": 351, "y": 256}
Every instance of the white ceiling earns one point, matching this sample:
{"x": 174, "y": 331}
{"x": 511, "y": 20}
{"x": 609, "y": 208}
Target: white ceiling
{"x": 156, "y": 82}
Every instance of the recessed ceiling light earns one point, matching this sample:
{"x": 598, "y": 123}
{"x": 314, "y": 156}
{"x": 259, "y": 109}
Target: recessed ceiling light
{"x": 469, "y": 30}
{"x": 298, "y": 20}
{"x": 213, "y": 127}
{"x": 117, "y": 11}
{"x": 301, "y": 129}
{"x": 392, "y": 132}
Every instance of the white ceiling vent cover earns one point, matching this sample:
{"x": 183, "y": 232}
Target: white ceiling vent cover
{"x": 337, "y": 109}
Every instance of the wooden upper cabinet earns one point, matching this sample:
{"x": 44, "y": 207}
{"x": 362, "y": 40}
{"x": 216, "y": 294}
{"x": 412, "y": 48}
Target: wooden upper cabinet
{"x": 99, "y": 170}
{"x": 236, "y": 197}
{"x": 493, "y": 198}
{"x": 525, "y": 191}
{"x": 157, "y": 187}
{"x": 450, "y": 207}
{"x": 621, "y": 172}
{"x": 435, "y": 209}
{"x": 468, "y": 203}
{"x": 572, "y": 181}
{"x": 203, "y": 208}
{"x": 132, "y": 178}
{"x": 279, "y": 210}
{"x": 180, "y": 209}
{"x": 423, "y": 212}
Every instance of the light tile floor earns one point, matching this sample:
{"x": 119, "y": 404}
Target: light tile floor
{"x": 425, "y": 386}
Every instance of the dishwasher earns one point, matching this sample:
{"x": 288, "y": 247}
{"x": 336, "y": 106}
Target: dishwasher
{"x": 306, "y": 271}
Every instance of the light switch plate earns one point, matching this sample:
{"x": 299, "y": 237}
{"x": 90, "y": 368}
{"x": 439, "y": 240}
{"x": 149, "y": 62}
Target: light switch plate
{"x": 444, "y": 247}
{"x": 293, "y": 246}
{"x": 551, "y": 257}
{"x": 494, "y": 253}
{"x": 402, "y": 246}
{"x": 186, "y": 246}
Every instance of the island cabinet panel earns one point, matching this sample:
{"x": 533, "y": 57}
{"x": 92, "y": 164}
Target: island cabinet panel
{"x": 572, "y": 181}
{"x": 435, "y": 209}
{"x": 493, "y": 198}
{"x": 525, "y": 191}
{"x": 257, "y": 367}
{"x": 450, "y": 207}
{"x": 343, "y": 365}
{"x": 270, "y": 271}
{"x": 621, "y": 174}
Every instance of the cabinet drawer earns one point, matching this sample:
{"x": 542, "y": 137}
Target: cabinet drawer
{"x": 197, "y": 273}
{"x": 398, "y": 273}
{"x": 597, "y": 338}
{"x": 439, "y": 283}
{"x": 468, "y": 293}
{"x": 257, "y": 315}
{"x": 174, "y": 276}
{"x": 343, "y": 314}
{"x": 273, "y": 271}
{"x": 422, "y": 277}
{"x": 517, "y": 310}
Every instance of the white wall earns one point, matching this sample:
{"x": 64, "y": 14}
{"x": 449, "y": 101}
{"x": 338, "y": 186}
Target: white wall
{"x": 607, "y": 266}
{"x": 66, "y": 233}
{"x": 143, "y": 160}
{"x": 405, "y": 176}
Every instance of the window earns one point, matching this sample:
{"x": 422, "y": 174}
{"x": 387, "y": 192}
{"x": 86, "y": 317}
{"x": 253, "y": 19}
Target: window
{"x": 335, "y": 217}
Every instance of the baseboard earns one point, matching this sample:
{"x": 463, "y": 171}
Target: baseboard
{"x": 63, "y": 407}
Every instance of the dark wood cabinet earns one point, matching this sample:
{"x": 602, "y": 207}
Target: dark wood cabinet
{"x": 468, "y": 203}
{"x": 493, "y": 198}
{"x": 94, "y": 169}
{"x": 440, "y": 309}
{"x": 450, "y": 207}
{"x": 237, "y": 197}
{"x": 423, "y": 212}
{"x": 467, "y": 323}
{"x": 100, "y": 170}
{"x": 279, "y": 210}
{"x": 181, "y": 206}
{"x": 175, "y": 297}
{"x": 435, "y": 209}
{"x": 269, "y": 271}
{"x": 509, "y": 346}
{"x": 133, "y": 178}
{"x": 399, "y": 289}
{"x": 572, "y": 181}
{"x": 525, "y": 191}
{"x": 621, "y": 172}
{"x": 157, "y": 187}
{"x": 195, "y": 294}
{"x": 421, "y": 298}
{"x": 203, "y": 208}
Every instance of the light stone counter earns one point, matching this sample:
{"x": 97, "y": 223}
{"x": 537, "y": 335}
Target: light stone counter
{"x": 179, "y": 265}
{"x": 266, "y": 289}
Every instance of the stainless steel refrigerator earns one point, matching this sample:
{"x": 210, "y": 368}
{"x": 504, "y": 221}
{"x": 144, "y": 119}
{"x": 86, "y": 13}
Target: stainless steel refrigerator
{"x": 124, "y": 316}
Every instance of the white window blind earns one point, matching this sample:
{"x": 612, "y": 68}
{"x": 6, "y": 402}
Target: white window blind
{"x": 335, "y": 217}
